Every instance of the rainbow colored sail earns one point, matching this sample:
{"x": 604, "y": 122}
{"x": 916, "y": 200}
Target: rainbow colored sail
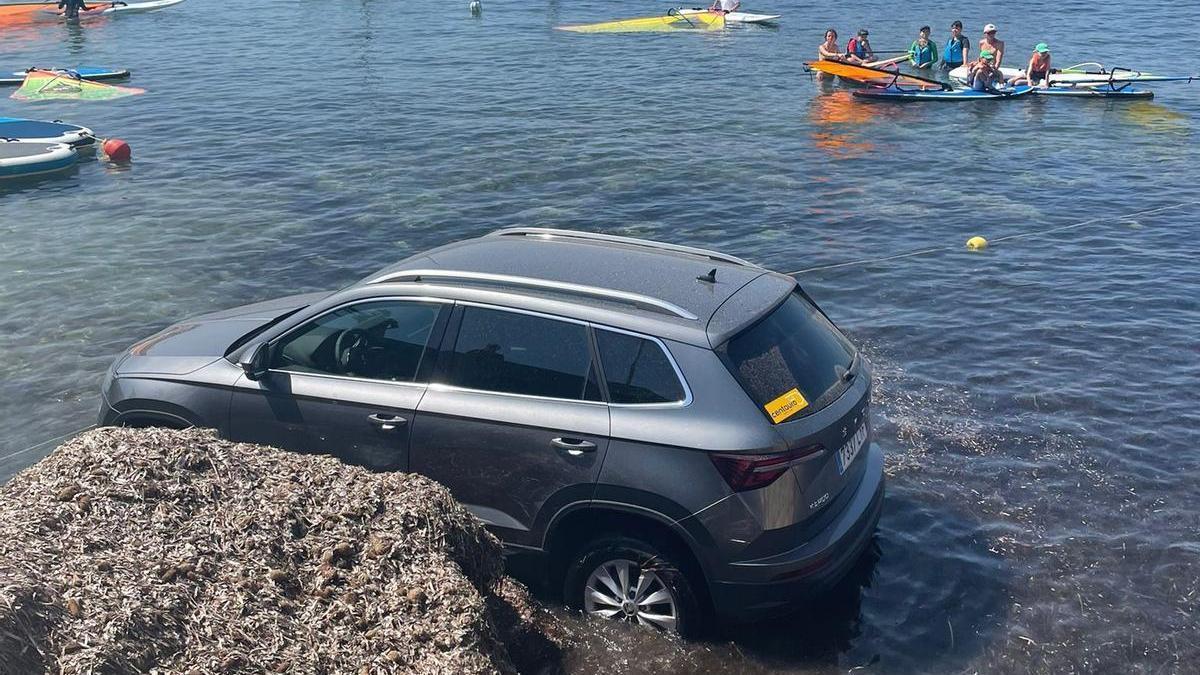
{"x": 42, "y": 85}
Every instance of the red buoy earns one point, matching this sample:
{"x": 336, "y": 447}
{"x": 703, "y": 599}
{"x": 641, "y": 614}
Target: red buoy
{"x": 117, "y": 150}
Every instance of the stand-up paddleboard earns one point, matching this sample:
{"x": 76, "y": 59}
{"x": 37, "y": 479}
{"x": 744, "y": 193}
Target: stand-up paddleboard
{"x": 24, "y": 158}
{"x": 1084, "y": 74}
{"x": 1093, "y": 92}
{"x": 737, "y": 17}
{"x": 93, "y": 73}
{"x": 36, "y": 131}
{"x": 111, "y": 8}
{"x": 901, "y": 94}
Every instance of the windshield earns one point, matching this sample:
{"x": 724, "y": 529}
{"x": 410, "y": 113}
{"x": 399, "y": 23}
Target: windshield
{"x": 259, "y": 331}
{"x": 793, "y": 362}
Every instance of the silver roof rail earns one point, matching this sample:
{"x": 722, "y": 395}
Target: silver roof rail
{"x": 550, "y": 233}
{"x": 451, "y": 276}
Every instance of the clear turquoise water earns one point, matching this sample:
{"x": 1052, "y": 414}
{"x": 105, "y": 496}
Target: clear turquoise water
{"x": 1038, "y": 398}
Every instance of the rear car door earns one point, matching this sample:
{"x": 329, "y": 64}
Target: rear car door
{"x": 346, "y": 383}
{"x": 514, "y": 422}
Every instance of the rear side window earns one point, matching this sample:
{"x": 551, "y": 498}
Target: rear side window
{"x": 791, "y": 363}
{"x": 637, "y": 370}
{"x": 522, "y": 354}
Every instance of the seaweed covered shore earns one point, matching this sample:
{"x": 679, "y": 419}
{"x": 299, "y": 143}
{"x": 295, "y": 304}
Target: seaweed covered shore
{"x": 178, "y": 552}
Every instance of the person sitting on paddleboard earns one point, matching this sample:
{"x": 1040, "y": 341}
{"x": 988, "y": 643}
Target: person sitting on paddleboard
{"x": 984, "y": 75}
{"x": 992, "y": 43}
{"x": 922, "y": 53}
{"x": 858, "y": 49}
{"x": 1038, "y": 70}
{"x": 958, "y": 48}
{"x": 72, "y": 8}
{"x": 725, "y": 6}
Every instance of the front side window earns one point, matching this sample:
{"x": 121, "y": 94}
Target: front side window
{"x": 637, "y": 370}
{"x": 517, "y": 353}
{"x": 791, "y": 363}
{"x": 380, "y": 340}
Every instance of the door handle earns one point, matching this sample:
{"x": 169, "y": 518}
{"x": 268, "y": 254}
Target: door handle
{"x": 387, "y": 422}
{"x": 574, "y": 446}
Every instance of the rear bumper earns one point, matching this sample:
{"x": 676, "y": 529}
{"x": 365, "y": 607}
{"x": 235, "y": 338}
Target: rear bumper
{"x": 771, "y": 585}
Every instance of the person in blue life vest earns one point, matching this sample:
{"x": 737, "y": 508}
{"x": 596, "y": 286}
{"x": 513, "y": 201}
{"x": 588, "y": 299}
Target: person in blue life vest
{"x": 958, "y": 48}
{"x": 858, "y": 49}
{"x": 922, "y": 53}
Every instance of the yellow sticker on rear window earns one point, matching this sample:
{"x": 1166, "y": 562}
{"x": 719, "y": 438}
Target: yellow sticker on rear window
{"x": 787, "y": 405}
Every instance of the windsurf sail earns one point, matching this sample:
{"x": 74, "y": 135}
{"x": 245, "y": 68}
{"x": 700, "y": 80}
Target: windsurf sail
{"x": 43, "y": 85}
{"x": 673, "y": 20}
{"x": 876, "y": 75}
{"x": 1095, "y": 72}
{"x": 20, "y": 9}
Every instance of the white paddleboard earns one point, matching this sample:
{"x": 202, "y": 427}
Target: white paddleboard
{"x": 959, "y": 74}
{"x": 737, "y": 17}
{"x": 109, "y": 8}
{"x": 149, "y": 6}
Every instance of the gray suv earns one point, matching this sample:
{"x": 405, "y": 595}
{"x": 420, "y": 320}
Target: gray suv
{"x": 677, "y": 431}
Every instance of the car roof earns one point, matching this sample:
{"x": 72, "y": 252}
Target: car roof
{"x": 633, "y": 284}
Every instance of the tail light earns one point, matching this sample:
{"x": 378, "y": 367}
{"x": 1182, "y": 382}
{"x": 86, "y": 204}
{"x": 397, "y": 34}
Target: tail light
{"x": 750, "y": 472}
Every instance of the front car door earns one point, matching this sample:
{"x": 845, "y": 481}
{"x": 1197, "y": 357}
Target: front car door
{"x": 514, "y": 422}
{"x": 347, "y": 382}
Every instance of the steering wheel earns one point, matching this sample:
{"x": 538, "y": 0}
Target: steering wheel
{"x": 348, "y": 349}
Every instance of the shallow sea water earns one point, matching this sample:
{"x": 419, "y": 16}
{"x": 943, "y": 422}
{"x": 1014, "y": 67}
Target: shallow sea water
{"x": 1037, "y": 400}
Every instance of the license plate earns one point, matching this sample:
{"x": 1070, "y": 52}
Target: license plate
{"x": 847, "y": 453}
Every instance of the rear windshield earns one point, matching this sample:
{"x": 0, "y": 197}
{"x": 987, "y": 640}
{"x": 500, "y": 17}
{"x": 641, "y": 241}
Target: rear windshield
{"x": 791, "y": 363}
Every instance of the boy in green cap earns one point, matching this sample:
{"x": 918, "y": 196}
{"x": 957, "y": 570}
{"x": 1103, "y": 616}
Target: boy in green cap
{"x": 1038, "y": 71}
{"x": 984, "y": 75}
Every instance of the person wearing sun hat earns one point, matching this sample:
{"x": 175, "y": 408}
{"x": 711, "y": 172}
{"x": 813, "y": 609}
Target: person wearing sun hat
{"x": 1038, "y": 71}
{"x": 990, "y": 42}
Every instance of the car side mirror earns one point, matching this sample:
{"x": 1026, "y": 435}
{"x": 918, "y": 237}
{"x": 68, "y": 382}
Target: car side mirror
{"x": 255, "y": 363}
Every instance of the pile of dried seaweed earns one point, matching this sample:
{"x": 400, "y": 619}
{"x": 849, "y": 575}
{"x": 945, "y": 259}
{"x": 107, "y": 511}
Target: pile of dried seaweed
{"x": 131, "y": 550}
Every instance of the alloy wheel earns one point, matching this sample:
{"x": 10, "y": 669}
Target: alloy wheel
{"x": 623, "y": 590}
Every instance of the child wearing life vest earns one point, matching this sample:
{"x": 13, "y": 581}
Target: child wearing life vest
{"x": 858, "y": 49}
{"x": 922, "y": 53}
{"x": 958, "y": 48}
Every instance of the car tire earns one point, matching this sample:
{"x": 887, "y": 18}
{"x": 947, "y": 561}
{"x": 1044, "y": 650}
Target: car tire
{"x": 662, "y": 593}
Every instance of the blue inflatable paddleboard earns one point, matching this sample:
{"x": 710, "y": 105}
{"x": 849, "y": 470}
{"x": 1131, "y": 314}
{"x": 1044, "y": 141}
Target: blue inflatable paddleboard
{"x": 16, "y": 129}
{"x": 894, "y": 93}
{"x": 94, "y": 73}
{"x": 22, "y": 158}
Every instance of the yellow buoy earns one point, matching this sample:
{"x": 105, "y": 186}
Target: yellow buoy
{"x": 976, "y": 243}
